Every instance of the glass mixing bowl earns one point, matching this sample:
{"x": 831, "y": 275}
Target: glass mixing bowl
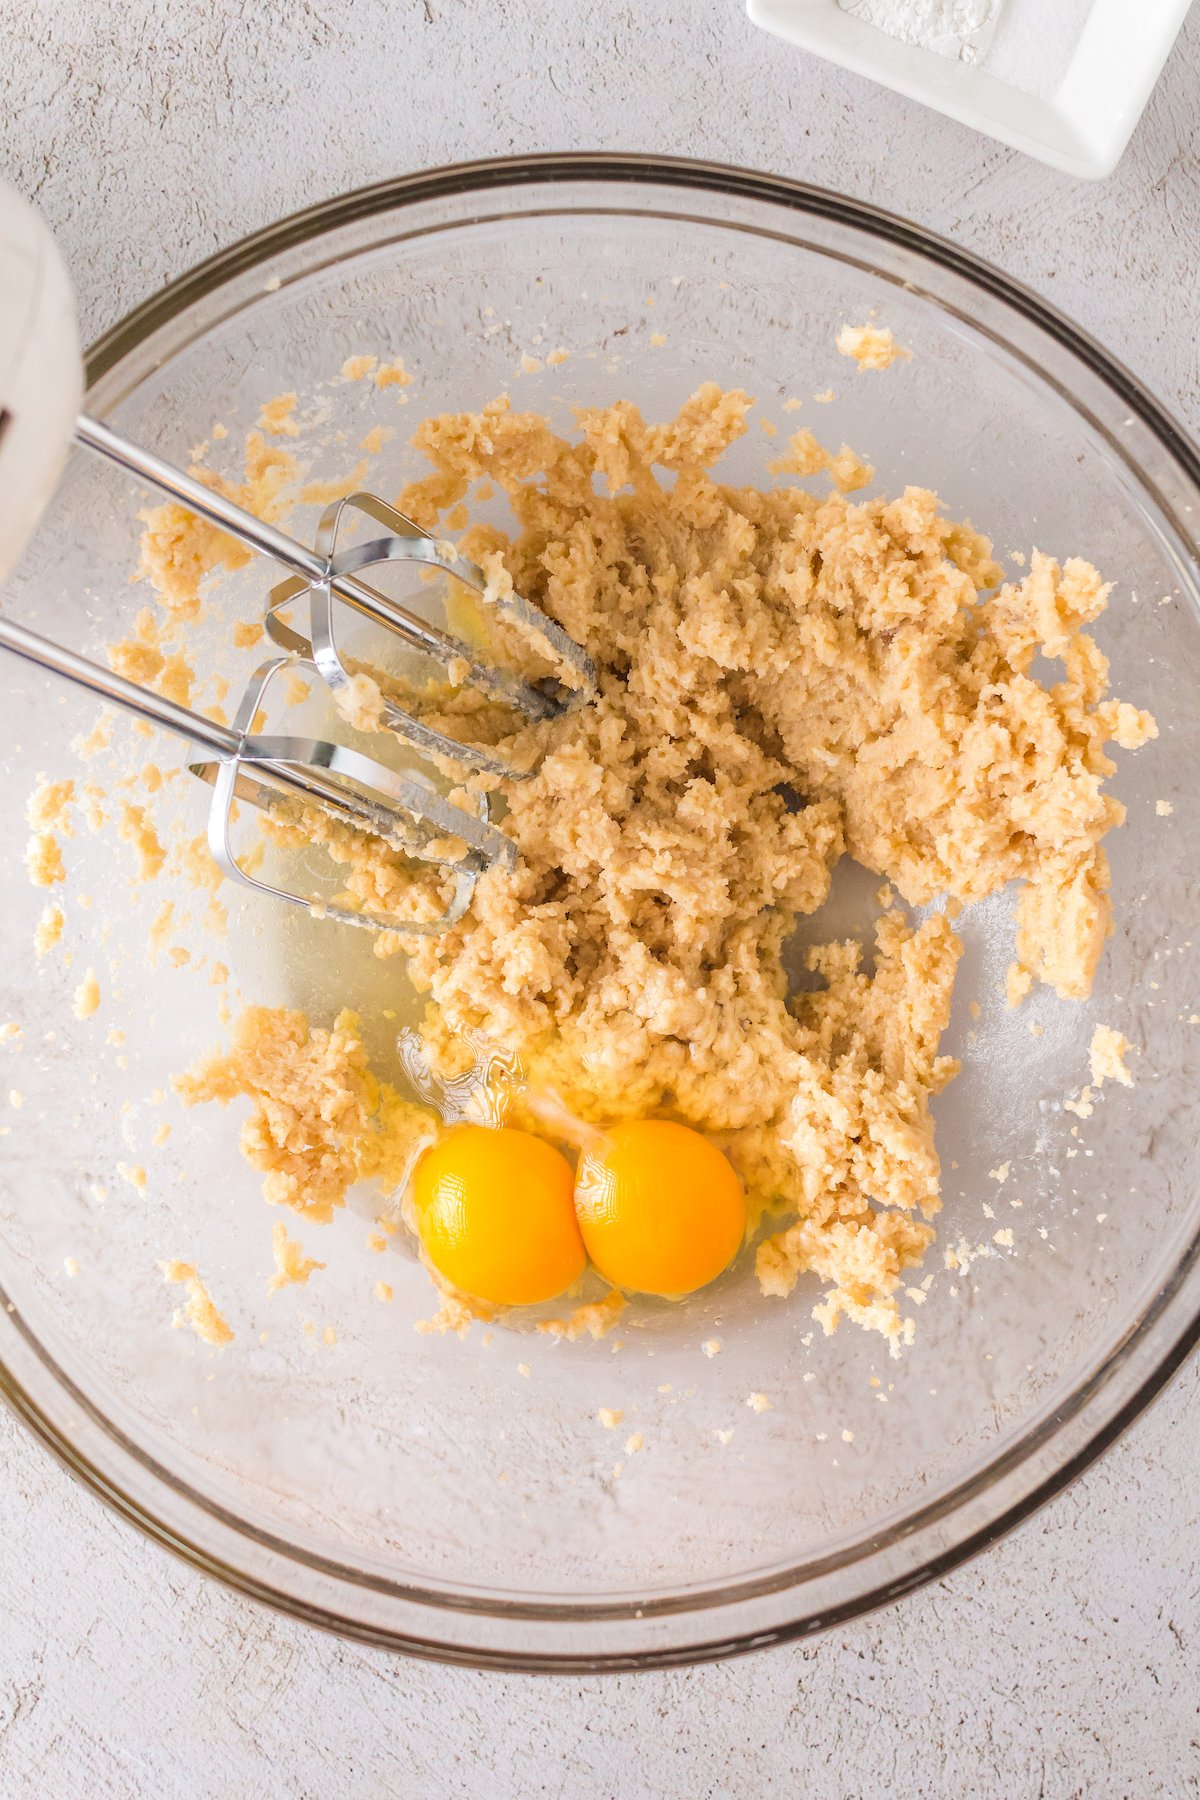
{"x": 459, "y": 1498}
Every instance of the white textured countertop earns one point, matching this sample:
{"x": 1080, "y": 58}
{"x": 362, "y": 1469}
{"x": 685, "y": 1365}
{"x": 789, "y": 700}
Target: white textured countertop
{"x": 1062, "y": 1664}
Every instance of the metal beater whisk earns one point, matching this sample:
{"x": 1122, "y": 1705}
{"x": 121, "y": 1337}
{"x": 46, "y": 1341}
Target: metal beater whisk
{"x": 38, "y": 420}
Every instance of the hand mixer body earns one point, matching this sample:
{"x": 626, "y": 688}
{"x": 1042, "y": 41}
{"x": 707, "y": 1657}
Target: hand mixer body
{"x": 40, "y": 391}
{"x": 41, "y": 374}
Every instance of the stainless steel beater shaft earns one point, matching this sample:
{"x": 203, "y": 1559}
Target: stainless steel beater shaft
{"x": 313, "y": 569}
{"x": 306, "y": 767}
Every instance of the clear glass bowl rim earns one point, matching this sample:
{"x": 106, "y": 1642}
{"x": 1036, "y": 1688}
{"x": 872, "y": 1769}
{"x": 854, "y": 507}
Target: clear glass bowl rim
{"x": 747, "y": 1612}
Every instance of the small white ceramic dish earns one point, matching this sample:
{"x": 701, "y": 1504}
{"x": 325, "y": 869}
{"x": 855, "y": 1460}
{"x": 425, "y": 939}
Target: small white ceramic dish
{"x": 1082, "y": 128}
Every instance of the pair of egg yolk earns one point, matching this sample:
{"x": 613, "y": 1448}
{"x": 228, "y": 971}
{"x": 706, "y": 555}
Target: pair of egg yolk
{"x": 502, "y": 1216}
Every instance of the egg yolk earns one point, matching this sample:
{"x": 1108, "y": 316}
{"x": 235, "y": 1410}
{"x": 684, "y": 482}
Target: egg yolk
{"x": 495, "y": 1216}
{"x": 660, "y": 1208}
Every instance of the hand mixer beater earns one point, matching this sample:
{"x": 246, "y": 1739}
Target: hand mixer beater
{"x": 40, "y": 391}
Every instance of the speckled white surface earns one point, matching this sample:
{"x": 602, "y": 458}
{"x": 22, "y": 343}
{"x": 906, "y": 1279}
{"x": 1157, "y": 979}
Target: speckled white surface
{"x": 1064, "y": 1663}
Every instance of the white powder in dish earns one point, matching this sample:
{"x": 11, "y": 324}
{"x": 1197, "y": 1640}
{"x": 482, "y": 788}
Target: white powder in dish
{"x": 1027, "y": 43}
{"x": 957, "y": 28}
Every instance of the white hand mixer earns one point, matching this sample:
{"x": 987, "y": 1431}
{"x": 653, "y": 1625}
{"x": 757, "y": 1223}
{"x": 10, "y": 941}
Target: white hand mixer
{"x": 40, "y": 392}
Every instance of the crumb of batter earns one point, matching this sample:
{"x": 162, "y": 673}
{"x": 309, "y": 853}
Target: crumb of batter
{"x": 138, "y": 830}
{"x": 322, "y": 493}
{"x": 360, "y": 702}
{"x": 393, "y": 374}
{"x": 759, "y": 1403}
{"x": 806, "y": 456}
{"x": 292, "y": 1267}
{"x": 871, "y": 346}
{"x": 1017, "y": 983}
{"x": 193, "y": 860}
{"x": 454, "y": 1314}
{"x": 320, "y": 1119}
{"x": 356, "y": 367}
{"x": 595, "y": 1320}
{"x": 276, "y": 416}
{"x": 610, "y": 1417}
{"x": 43, "y": 860}
{"x": 87, "y": 996}
{"x": 49, "y": 930}
{"x": 247, "y": 633}
{"x": 1163, "y": 808}
{"x": 94, "y": 814}
{"x": 179, "y": 551}
{"x": 1107, "y": 1055}
{"x": 140, "y": 658}
{"x": 160, "y": 930}
{"x": 92, "y": 743}
{"x": 49, "y": 806}
{"x": 198, "y": 1310}
{"x": 634, "y": 1442}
